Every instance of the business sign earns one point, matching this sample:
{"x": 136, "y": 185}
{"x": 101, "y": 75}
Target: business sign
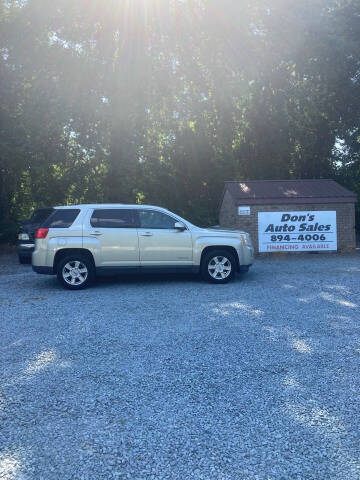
{"x": 297, "y": 231}
{"x": 243, "y": 210}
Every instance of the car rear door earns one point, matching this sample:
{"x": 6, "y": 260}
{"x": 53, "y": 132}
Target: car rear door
{"x": 112, "y": 234}
{"x": 160, "y": 243}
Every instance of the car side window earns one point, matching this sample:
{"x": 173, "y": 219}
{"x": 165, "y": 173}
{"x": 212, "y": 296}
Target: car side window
{"x": 113, "y": 218}
{"x": 40, "y": 215}
{"x": 153, "y": 219}
{"x": 61, "y": 218}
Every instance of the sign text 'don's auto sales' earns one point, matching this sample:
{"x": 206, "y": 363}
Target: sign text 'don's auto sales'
{"x": 297, "y": 231}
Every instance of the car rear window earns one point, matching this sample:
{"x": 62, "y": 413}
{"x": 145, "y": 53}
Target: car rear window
{"x": 41, "y": 215}
{"x": 113, "y": 218}
{"x": 61, "y": 218}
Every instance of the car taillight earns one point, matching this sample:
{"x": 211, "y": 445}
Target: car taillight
{"x": 41, "y": 232}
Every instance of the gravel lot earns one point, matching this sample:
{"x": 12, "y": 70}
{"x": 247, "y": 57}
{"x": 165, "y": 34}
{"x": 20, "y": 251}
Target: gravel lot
{"x": 173, "y": 378}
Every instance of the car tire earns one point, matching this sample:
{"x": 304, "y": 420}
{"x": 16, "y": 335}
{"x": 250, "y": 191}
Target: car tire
{"x": 218, "y": 266}
{"x": 24, "y": 259}
{"x": 76, "y": 271}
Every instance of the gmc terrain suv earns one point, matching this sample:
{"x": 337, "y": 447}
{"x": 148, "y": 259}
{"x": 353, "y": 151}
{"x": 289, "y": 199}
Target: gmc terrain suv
{"x": 79, "y": 242}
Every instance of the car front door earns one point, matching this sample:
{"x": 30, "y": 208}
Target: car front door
{"x": 112, "y": 234}
{"x": 160, "y": 243}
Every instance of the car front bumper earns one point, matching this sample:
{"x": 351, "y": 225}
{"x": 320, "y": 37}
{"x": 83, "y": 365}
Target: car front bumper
{"x": 246, "y": 257}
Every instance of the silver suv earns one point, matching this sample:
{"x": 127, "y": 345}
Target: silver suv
{"x": 79, "y": 242}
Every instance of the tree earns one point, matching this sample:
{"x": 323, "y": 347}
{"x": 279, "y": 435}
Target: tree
{"x": 151, "y": 101}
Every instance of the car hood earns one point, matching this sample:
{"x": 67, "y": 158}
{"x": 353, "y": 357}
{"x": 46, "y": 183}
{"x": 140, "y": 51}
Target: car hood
{"x": 219, "y": 231}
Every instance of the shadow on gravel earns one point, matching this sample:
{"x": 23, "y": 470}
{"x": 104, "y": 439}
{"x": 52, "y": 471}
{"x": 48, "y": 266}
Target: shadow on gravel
{"x": 140, "y": 280}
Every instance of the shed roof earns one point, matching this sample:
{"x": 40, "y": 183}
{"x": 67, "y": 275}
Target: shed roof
{"x": 270, "y": 192}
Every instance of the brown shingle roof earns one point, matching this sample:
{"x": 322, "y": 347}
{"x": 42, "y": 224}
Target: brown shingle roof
{"x": 272, "y": 192}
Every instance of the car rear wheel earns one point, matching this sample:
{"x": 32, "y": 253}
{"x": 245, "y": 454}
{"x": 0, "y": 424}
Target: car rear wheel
{"x": 76, "y": 272}
{"x": 218, "y": 266}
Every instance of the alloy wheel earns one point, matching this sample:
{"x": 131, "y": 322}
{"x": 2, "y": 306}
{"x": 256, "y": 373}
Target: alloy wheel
{"x": 219, "y": 267}
{"x": 75, "y": 272}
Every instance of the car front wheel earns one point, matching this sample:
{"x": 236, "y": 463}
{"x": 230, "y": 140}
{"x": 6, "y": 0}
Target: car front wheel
{"x": 75, "y": 272}
{"x": 218, "y": 266}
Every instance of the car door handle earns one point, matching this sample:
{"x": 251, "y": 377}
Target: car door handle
{"x": 146, "y": 234}
{"x": 97, "y": 234}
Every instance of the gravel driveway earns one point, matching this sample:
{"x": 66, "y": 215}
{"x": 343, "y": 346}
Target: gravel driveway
{"x": 173, "y": 378}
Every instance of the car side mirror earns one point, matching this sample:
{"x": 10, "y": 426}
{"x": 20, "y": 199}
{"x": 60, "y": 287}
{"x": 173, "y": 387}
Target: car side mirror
{"x": 179, "y": 226}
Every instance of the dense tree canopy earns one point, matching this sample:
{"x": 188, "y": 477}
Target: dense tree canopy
{"x": 157, "y": 101}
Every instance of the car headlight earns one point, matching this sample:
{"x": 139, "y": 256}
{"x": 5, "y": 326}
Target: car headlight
{"x": 246, "y": 240}
{"x": 23, "y": 236}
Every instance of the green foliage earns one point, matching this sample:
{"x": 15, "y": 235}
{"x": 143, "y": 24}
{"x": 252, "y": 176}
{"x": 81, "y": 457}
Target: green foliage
{"x": 159, "y": 102}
